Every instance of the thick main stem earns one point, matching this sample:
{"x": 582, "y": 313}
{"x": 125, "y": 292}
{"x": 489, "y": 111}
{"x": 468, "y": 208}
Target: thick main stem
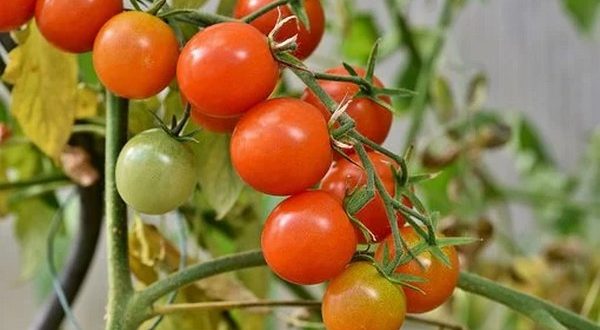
{"x": 120, "y": 287}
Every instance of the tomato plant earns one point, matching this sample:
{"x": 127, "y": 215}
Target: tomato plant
{"x": 72, "y": 25}
{"x": 360, "y": 298}
{"x": 155, "y": 173}
{"x": 281, "y": 146}
{"x": 308, "y": 38}
{"x": 143, "y": 68}
{"x": 439, "y": 279}
{"x": 308, "y": 239}
{"x": 14, "y": 13}
{"x": 345, "y": 177}
{"x": 226, "y": 69}
{"x": 372, "y": 120}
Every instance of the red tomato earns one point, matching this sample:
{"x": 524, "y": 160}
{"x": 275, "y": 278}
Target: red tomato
{"x": 72, "y": 25}
{"x": 308, "y": 40}
{"x": 14, "y": 13}
{"x": 345, "y": 177}
{"x": 226, "y": 69}
{"x": 214, "y": 124}
{"x": 372, "y": 120}
{"x": 440, "y": 280}
{"x": 135, "y": 55}
{"x": 308, "y": 239}
{"x": 360, "y": 298}
{"x": 281, "y": 146}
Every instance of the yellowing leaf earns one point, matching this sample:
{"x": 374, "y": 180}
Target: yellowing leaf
{"x": 87, "y": 103}
{"x": 44, "y": 97}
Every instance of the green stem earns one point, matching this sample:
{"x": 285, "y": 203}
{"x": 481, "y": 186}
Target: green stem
{"x": 419, "y": 102}
{"x": 261, "y": 11}
{"x": 145, "y": 298}
{"x": 532, "y": 307}
{"x": 405, "y": 30}
{"x": 120, "y": 287}
{"x": 196, "y": 17}
{"x": 34, "y": 182}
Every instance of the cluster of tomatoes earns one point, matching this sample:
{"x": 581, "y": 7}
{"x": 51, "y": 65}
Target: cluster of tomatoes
{"x": 279, "y": 146}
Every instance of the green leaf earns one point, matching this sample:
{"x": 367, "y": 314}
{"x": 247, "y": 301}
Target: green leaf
{"x": 87, "y": 74}
{"x": 583, "y": 13}
{"x": 477, "y": 92}
{"x": 44, "y": 97}
{"x": 32, "y": 222}
{"x": 226, "y": 7}
{"x": 220, "y": 183}
{"x": 530, "y": 148}
{"x": 140, "y": 114}
{"x": 361, "y": 35}
{"x": 188, "y": 4}
{"x": 448, "y": 241}
{"x": 298, "y": 9}
{"x": 443, "y": 98}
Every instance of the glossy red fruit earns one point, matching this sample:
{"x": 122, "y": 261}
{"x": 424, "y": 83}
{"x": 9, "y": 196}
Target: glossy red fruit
{"x": 135, "y": 55}
{"x": 72, "y": 25}
{"x": 226, "y": 69}
{"x": 440, "y": 280}
{"x": 372, "y": 120}
{"x": 14, "y": 13}
{"x": 308, "y": 239}
{"x": 345, "y": 177}
{"x": 360, "y": 298}
{"x": 308, "y": 39}
{"x": 281, "y": 146}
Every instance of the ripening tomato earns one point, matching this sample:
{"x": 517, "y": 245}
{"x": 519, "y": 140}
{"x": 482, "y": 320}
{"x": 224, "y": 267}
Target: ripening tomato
{"x": 214, "y": 124}
{"x": 308, "y": 39}
{"x": 308, "y": 239}
{"x": 226, "y": 69}
{"x": 72, "y": 25}
{"x": 135, "y": 55}
{"x": 440, "y": 280}
{"x": 281, "y": 146}
{"x": 14, "y": 13}
{"x": 372, "y": 120}
{"x": 344, "y": 177}
{"x": 155, "y": 173}
{"x": 360, "y": 299}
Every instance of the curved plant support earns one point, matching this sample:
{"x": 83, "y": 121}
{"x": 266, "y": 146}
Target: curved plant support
{"x": 83, "y": 250}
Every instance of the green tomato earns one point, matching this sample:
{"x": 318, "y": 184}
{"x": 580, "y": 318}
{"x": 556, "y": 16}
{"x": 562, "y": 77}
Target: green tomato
{"x": 155, "y": 173}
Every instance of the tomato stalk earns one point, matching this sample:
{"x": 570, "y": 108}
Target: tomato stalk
{"x": 267, "y": 8}
{"x": 119, "y": 279}
{"x": 419, "y": 102}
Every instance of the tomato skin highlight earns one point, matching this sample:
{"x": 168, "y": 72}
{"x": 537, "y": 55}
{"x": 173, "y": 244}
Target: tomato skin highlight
{"x": 440, "y": 279}
{"x": 281, "y": 147}
{"x": 155, "y": 173}
{"x": 307, "y": 41}
{"x": 72, "y": 25}
{"x": 372, "y": 120}
{"x": 308, "y": 239}
{"x": 344, "y": 177}
{"x": 135, "y": 55}
{"x": 226, "y": 69}
{"x": 14, "y": 13}
{"x": 361, "y": 299}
